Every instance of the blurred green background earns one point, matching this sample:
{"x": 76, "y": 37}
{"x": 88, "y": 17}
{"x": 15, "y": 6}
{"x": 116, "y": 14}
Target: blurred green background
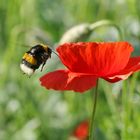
{"x": 30, "y": 112}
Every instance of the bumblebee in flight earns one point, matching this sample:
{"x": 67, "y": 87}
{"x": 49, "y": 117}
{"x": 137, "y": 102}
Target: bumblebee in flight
{"x": 34, "y": 58}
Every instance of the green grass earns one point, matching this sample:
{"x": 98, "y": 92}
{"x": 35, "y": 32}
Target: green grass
{"x": 30, "y": 112}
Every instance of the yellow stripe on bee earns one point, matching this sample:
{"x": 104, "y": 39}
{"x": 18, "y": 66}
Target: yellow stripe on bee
{"x": 29, "y": 58}
{"x": 45, "y": 47}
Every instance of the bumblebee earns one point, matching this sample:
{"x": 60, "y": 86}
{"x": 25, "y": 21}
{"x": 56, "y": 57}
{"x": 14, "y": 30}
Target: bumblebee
{"x": 34, "y": 58}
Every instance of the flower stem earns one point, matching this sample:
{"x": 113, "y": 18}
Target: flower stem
{"x": 105, "y": 22}
{"x": 91, "y": 134}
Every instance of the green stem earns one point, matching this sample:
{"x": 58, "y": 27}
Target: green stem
{"x": 91, "y": 134}
{"x": 105, "y": 22}
{"x": 128, "y": 105}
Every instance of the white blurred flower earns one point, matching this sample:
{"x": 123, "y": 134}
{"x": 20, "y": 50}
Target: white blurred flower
{"x": 28, "y": 131}
{"x": 13, "y": 106}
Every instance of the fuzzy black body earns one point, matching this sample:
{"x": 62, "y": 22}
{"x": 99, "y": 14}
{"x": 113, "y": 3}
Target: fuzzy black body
{"x": 36, "y": 56}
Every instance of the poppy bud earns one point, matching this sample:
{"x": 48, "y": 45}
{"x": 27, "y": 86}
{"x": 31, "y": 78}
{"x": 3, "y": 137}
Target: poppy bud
{"x": 76, "y": 33}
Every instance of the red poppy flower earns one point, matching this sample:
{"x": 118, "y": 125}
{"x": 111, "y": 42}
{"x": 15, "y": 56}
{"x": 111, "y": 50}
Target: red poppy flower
{"x": 81, "y": 131}
{"x": 86, "y": 62}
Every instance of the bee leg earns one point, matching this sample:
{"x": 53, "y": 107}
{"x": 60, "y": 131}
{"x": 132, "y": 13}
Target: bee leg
{"x": 43, "y": 65}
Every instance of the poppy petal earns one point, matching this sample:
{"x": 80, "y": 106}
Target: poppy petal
{"x": 55, "y": 80}
{"x": 81, "y": 131}
{"x": 132, "y": 66}
{"x": 66, "y": 80}
{"x": 100, "y": 59}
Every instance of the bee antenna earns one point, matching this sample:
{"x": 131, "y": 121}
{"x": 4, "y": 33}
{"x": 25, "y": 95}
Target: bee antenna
{"x": 55, "y": 53}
